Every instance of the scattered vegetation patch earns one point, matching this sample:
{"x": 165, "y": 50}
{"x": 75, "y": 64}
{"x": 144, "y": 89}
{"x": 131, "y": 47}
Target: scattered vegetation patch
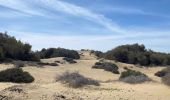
{"x": 19, "y": 64}
{"x": 133, "y": 77}
{"x": 47, "y": 64}
{"x": 107, "y": 66}
{"x": 76, "y": 80}
{"x": 166, "y": 79}
{"x": 160, "y": 73}
{"x": 165, "y": 75}
{"x": 163, "y": 72}
{"x": 69, "y": 60}
{"x": 15, "y": 75}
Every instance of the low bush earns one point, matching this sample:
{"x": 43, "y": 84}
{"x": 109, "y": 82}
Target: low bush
{"x": 165, "y": 75}
{"x": 163, "y": 72}
{"x": 160, "y": 73}
{"x": 76, "y": 80}
{"x": 58, "y": 52}
{"x": 166, "y": 79}
{"x": 47, "y": 64}
{"x": 70, "y": 60}
{"x": 133, "y": 77}
{"x": 107, "y": 66}
{"x": 138, "y": 54}
{"x": 15, "y": 75}
{"x": 19, "y": 64}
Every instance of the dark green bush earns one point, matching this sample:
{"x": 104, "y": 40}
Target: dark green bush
{"x": 15, "y": 75}
{"x": 70, "y": 60}
{"x": 76, "y": 80}
{"x": 133, "y": 77}
{"x": 166, "y": 79}
{"x": 130, "y": 72}
{"x": 47, "y": 64}
{"x": 97, "y": 53}
{"x": 107, "y": 66}
{"x": 10, "y": 48}
{"x": 160, "y": 73}
{"x": 58, "y": 52}
{"x": 165, "y": 75}
{"x": 137, "y": 54}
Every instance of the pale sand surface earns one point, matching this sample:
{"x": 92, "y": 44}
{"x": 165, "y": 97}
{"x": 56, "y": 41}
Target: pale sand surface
{"x": 46, "y": 88}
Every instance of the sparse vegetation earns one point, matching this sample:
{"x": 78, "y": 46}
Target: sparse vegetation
{"x": 70, "y": 60}
{"x": 19, "y": 64}
{"x": 107, "y": 66}
{"x": 133, "y": 77}
{"x": 15, "y": 75}
{"x": 137, "y": 54}
{"x": 47, "y": 64}
{"x": 76, "y": 80}
{"x": 165, "y": 75}
{"x": 166, "y": 79}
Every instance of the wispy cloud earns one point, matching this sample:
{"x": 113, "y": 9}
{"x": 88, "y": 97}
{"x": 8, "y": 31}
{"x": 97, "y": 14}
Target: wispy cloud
{"x": 130, "y": 11}
{"x": 61, "y": 6}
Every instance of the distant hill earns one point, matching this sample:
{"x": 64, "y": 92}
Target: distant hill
{"x": 137, "y": 54}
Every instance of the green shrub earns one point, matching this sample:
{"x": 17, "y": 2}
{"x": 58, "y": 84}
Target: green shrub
{"x": 1, "y": 54}
{"x": 107, "y": 66}
{"x": 76, "y": 80}
{"x": 137, "y": 54}
{"x": 166, "y": 79}
{"x": 160, "y": 73}
{"x": 130, "y": 72}
{"x": 10, "y": 48}
{"x": 58, "y": 52}
{"x": 165, "y": 75}
{"x": 133, "y": 77}
{"x": 15, "y": 75}
{"x": 70, "y": 60}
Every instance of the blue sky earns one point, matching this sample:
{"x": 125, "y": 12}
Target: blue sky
{"x": 88, "y": 24}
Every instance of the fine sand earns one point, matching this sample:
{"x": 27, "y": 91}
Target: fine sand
{"x": 46, "y": 88}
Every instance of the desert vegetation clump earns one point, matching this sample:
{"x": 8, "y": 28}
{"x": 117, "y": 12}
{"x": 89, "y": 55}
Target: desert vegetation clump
{"x": 76, "y": 80}
{"x": 98, "y": 54}
{"x": 47, "y": 64}
{"x": 133, "y": 77}
{"x": 19, "y": 64}
{"x": 137, "y": 54}
{"x": 58, "y": 52}
{"x": 107, "y": 66}
{"x": 163, "y": 72}
{"x": 15, "y": 75}
{"x": 165, "y": 75}
{"x": 69, "y": 60}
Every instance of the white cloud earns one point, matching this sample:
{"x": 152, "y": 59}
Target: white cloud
{"x": 61, "y": 6}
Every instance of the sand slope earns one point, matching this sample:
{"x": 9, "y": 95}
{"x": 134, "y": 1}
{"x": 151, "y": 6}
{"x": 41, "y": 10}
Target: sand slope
{"x": 45, "y": 87}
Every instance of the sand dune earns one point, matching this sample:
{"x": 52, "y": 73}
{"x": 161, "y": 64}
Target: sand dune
{"x": 46, "y": 88}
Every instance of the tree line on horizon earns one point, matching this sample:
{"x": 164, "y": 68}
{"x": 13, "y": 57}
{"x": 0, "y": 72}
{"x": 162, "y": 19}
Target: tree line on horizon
{"x": 10, "y": 48}
{"x": 137, "y": 54}
{"x": 13, "y": 49}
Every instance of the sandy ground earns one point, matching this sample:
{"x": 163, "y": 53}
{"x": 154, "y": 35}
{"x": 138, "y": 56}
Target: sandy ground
{"x": 46, "y": 88}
